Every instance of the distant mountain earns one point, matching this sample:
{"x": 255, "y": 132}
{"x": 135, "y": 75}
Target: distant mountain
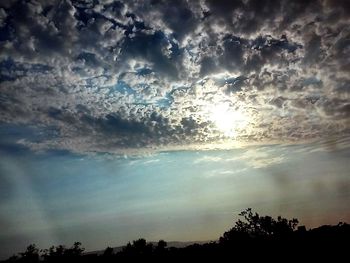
{"x": 177, "y": 244}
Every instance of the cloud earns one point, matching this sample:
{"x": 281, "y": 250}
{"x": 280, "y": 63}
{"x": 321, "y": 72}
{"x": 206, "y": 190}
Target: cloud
{"x": 114, "y": 76}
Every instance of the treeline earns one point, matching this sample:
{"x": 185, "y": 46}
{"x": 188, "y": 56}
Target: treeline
{"x": 254, "y": 237}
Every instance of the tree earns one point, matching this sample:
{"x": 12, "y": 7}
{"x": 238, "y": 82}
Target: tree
{"x": 138, "y": 248}
{"x": 108, "y": 252}
{"x": 161, "y": 245}
{"x": 61, "y": 253}
{"x": 76, "y": 249}
{"x": 256, "y": 226}
{"x": 31, "y": 255}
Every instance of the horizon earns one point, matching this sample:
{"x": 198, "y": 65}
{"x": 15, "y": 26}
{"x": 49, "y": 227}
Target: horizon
{"x": 255, "y": 232}
{"x": 163, "y": 120}
{"x": 337, "y": 231}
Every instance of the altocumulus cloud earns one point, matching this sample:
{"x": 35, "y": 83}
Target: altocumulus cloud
{"x": 113, "y": 76}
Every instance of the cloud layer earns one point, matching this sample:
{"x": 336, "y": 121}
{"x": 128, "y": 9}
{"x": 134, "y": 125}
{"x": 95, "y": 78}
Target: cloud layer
{"x": 112, "y": 76}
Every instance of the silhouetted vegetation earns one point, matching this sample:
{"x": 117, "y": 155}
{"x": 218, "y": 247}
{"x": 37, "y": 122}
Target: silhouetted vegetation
{"x": 253, "y": 238}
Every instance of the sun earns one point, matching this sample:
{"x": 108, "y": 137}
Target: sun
{"x": 228, "y": 120}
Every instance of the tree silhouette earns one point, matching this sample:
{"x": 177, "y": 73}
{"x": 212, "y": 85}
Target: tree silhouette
{"x": 108, "y": 252}
{"x": 255, "y": 226}
{"x": 31, "y": 255}
{"x": 61, "y": 253}
{"x": 161, "y": 245}
{"x": 160, "y": 249}
{"x": 138, "y": 248}
{"x": 76, "y": 250}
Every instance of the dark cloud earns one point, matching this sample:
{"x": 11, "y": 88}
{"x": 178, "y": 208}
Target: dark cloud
{"x": 246, "y": 55}
{"x": 337, "y": 108}
{"x": 154, "y": 48}
{"x": 112, "y": 75}
{"x": 170, "y": 15}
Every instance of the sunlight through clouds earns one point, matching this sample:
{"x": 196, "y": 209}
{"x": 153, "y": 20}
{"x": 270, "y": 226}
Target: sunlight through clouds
{"x": 227, "y": 120}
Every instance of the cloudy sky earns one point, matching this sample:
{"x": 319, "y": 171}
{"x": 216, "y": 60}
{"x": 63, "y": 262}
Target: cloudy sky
{"x": 164, "y": 119}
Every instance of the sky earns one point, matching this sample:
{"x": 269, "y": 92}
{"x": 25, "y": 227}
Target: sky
{"x": 165, "y": 119}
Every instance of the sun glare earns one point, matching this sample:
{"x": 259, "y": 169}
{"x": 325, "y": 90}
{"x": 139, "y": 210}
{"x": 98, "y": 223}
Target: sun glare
{"x": 227, "y": 120}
